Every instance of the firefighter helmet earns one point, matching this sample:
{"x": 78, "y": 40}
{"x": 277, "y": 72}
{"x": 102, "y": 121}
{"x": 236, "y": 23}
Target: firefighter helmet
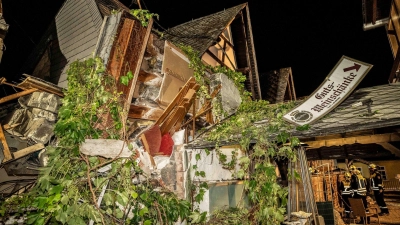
{"x": 347, "y": 175}
{"x": 372, "y": 166}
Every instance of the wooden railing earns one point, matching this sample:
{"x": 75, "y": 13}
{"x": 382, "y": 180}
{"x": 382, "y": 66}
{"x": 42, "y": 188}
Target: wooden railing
{"x": 391, "y": 185}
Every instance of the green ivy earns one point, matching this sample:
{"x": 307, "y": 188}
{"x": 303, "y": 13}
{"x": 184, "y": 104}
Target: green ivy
{"x": 143, "y": 16}
{"x": 262, "y": 145}
{"x": 68, "y": 189}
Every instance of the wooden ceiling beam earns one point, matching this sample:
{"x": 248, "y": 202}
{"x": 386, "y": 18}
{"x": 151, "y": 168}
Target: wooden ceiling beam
{"x": 390, "y": 148}
{"x": 374, "y": 11}
{"x": 367, "y": 139}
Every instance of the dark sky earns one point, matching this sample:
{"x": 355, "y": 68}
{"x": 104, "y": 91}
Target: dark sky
{"x": 309, "y": 37}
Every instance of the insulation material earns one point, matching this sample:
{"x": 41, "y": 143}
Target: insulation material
{"x": 156, "y": 82}
{"x": 41, "y": 131}
{"x": 41, "y": 100}
{"x": 167, "y": 144}
{"x": 37, "y": 129}
{"x": 149, "y": 93}
{"x": 20, "y": 117}
{"x": 161, "y": 161}
{"x": 37, "y": 117}
{"x": 179, "y": 137}
{"x": 153, "y": 114}
{"x": 40, "y": 113}
{"x": 146, "y": 102}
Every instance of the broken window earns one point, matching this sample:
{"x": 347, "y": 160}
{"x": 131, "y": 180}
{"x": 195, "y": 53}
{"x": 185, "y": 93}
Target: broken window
{"x": 226, "y": 195}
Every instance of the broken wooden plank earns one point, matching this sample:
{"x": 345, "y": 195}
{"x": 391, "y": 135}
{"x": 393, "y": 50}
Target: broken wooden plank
{"x": 197, "y": 116}
{"x": 176, "y": 100}
{"x": 6, "y": 126}
{"x": 6, "y": 150}
{"x": 28, "y": 150}
{"x": 33, "y": 82}
{"x": 146, "y": 76}
{"x": 3, "y": 80}
{"x": 137, "y": 69}
{"x": 17, "y": 95}
{"x": 367, "y": 139}
{"x": 177, "y": 116}
{"x": 144, "y": 112}
{"x": 147, "y": 148}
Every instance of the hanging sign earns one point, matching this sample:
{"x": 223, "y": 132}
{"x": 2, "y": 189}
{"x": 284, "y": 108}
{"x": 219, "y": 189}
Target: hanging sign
{"x": 340, "y": 82}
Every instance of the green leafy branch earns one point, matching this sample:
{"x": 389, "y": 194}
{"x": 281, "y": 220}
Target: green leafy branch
{"x": 143, "y": 16}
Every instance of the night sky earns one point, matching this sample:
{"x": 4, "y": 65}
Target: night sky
{"x": 308, "y": 37}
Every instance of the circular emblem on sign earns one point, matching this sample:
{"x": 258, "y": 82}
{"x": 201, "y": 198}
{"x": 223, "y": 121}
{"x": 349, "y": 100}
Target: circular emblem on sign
{"x": 302, "y": 116}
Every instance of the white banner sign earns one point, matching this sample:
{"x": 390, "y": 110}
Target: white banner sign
{"x": 340, "y": 82}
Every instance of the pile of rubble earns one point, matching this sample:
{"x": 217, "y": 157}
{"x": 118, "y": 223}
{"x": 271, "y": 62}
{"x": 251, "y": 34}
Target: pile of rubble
{"x": 164, "y": 114}
{"x": 27, "y": 126}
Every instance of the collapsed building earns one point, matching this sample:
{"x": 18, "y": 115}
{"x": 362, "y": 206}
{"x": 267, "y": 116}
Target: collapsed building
{"x": 164, "y": 112}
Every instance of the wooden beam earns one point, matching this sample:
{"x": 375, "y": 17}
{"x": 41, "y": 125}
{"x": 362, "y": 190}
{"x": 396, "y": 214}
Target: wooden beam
{"x": 216, "y": 58}
{"x": 374, "y": 9}
{"x": 177, "y": 99}
{"x": 226, "y": 41}
{"x": 223, "y": 56}
{"x": 367, "y": 139}
{"x": 17, "y": 95}
{"x": 138, "y": 66}
{"x": 147, "y": 148}
{"x": 6, "y": 150}
{"x": 26, "y": 151}
{"x": 390, "y": 148}
{"x": 6, "y": 126}
{"x": 395, "y": 67}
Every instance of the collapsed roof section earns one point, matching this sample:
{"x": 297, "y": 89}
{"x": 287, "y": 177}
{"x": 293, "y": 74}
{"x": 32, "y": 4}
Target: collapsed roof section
{"x": 279, "y": 85}
{"x": 79, "y": 30}
{"x": 224, "y": 38}
{"x": 366, "y": 109}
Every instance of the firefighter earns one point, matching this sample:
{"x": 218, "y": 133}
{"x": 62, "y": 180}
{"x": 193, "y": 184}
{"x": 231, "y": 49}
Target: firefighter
{"x": 377, "y": 188}
{"x": 345, "y": 192}
{"x": 358, "y": 184}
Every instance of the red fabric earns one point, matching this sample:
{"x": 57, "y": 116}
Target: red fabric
{"x": 166, "y": 144}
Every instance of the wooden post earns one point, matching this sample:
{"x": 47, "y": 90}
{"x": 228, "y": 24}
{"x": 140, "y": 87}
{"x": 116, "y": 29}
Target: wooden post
{"x": 17, "y": 95}
{"x": 28, "y": 150}
{"x": 194, "y": 119}
{"x": 6, "y": 150}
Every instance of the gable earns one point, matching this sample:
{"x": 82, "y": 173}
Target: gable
{"x": 71, "y": 36}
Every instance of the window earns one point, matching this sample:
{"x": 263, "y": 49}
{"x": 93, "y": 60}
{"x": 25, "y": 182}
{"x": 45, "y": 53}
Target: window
{"x": 382, "y": 171}
{"x": 225, "y": 195}
{"x": 360, "y": 169}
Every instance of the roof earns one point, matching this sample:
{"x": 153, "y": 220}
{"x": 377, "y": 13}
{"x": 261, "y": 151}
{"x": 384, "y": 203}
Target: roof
{"x": 202, "y": 32}
{"x": 347, "y": 118}
{"x": 66, "y": 48}
{"x": 276, "y": 84}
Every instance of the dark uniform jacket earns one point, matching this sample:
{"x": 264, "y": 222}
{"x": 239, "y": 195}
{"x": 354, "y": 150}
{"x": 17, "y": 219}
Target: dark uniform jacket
{"x": 345, "y": 188}
{"x": 376, "y": 181}
{"x": 358, "y": 184}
